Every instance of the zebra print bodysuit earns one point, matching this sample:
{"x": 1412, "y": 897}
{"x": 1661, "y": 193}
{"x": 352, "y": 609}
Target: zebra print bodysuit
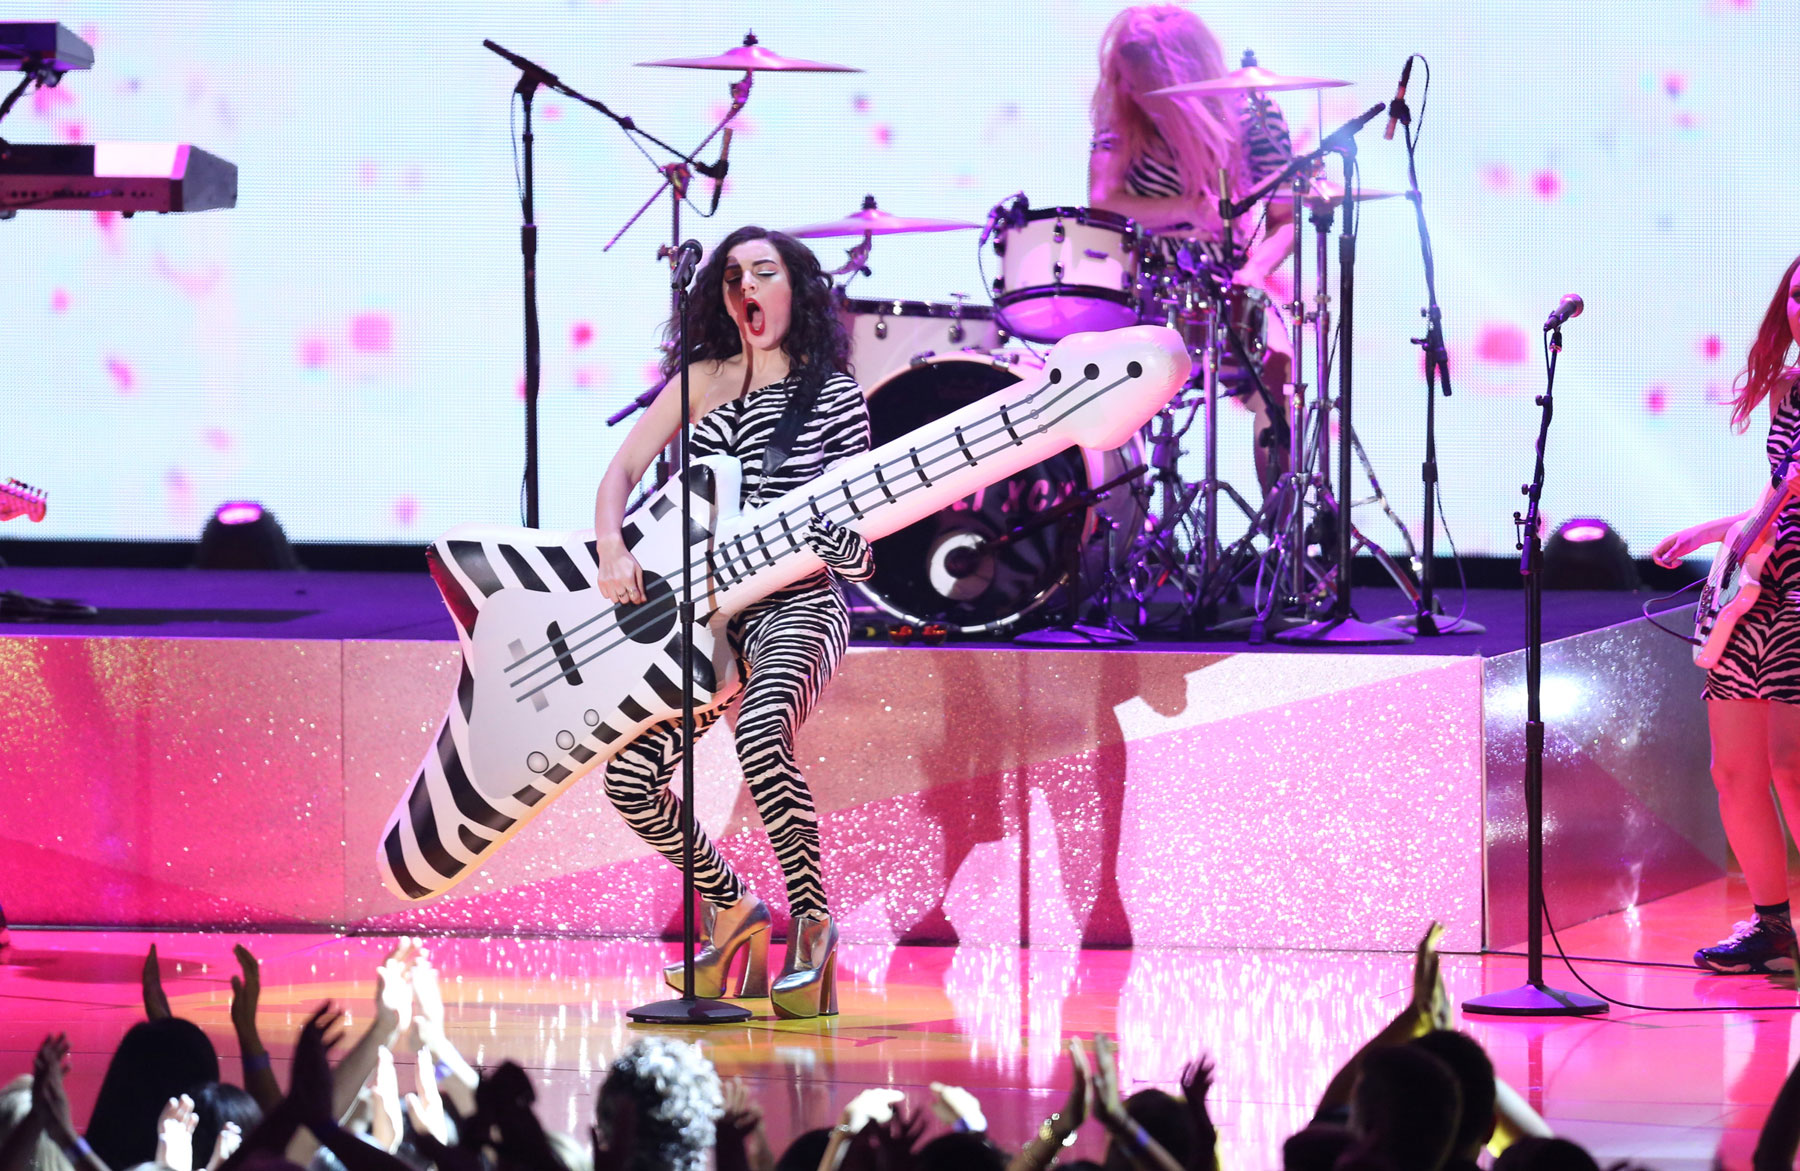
{"x": 787, "y": 645}
{"x": 1762, "y": 660}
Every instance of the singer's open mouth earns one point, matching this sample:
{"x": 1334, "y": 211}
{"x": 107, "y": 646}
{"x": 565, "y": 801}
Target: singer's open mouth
{"x": 753, "y": 317}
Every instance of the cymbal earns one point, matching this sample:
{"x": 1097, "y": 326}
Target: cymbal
{"x": 1330, "y": 192}
{"x": 751, "y": 57}
{"x": 872, "y": 221}
{"x": 1252, "y": 77}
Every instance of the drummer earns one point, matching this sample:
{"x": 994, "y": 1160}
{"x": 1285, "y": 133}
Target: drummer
{"x": 1158, "y": 159}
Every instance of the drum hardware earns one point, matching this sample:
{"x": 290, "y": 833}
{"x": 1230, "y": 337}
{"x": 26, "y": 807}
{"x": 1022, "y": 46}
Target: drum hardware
{"x": 1072, "y": 632}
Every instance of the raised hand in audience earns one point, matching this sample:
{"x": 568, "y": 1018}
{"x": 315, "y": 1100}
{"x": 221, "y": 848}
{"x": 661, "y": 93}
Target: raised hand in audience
{"x": 1428, "y": 1008}
{"x": 175, "y": 1134}
{"x": 393, "y": 1013}
{"x": 1128, "y": 1138}
{"x": 506, "y": 1096}
{"x": 386, "y": 1123}
{"x": 431, "y": 1040}
{"x": 246, "y": 992}
{"x": 50, "y": 1103}
{"x": 957, "y": 1108}
{"x": 226, "y": 1145}
{"x": 886, "y": 1144}
{"x": 1196, "y": 1081}
{"x": 1058, "y": 1130}
{"x": 743, "y": 1144}
{"x": 870, "y": 1106}
{"x": 156, "y": 1002}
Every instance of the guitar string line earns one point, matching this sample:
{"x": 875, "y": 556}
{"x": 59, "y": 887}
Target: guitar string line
{"x": 717, "y": 561}
{"x": 964, "y": 447}
{"x": 720, "y": 560}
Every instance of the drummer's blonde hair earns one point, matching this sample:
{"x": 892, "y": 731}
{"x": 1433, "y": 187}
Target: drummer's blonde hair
{"x": 1148, "y": 47}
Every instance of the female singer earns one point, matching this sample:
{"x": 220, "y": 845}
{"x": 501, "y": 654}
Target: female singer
{"x": 1753, "y": 694}
{"x": 1159, "y": 159}
{"x": 768, "y": 363}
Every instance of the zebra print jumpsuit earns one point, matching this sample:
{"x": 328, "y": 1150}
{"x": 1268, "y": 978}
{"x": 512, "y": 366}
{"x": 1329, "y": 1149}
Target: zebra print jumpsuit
{"x": 1762, "y": 658}
{"x": 787, "y": 645}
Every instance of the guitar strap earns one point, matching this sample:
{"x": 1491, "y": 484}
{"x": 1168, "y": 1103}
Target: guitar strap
{"x": 794, "y": 415}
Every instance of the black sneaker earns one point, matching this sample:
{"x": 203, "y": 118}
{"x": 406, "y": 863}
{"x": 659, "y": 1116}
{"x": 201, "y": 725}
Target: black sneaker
{"x": 1757, "y": 945}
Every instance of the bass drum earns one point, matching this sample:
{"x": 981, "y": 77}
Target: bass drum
{"x": 942, "y": 568}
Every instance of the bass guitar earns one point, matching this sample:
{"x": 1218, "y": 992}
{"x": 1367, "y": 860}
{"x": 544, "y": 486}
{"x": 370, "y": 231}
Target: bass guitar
{"x": 555, "y": 680}
{"x": 1735, "y": 580}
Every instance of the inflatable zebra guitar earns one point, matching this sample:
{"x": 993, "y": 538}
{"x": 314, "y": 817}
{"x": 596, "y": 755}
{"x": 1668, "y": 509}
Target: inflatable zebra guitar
{"x": 555, "y": 679}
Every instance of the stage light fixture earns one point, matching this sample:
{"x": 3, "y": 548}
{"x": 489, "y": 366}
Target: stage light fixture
{"x": 1586, "y": 553}
{"x": 242, "y": 534}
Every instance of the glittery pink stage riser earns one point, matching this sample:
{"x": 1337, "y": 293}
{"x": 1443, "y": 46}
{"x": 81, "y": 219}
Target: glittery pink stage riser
{"x": 982, "y": 796}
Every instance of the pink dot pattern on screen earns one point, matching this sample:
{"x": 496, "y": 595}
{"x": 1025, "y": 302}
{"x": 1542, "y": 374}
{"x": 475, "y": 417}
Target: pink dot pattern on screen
{"x": 59, "y": 301}
{"x": 1685, "y": 120}
{"x": 314, "y": 352}
{"x": 861, "y": 103}
{"x": 367, "y": 172}
{"x": 1501, "y": 343}
{"x": 1675, "y": 83}
{"x": 217, "y": 438}
{"x": 1711, "y": 347}
{"x": 1498, "y": 177}
{"x": 553, "y": 113}
{"x": 124, "y": 378}
{"x": 45, "y": 102}
{"x": 1548, "y": 184}
{"x": 372, "y": 333}
{"x": 882, "y": 135}
{"x": 1656, "y": 399}
{"x": 581, "y": 334}
{"x": 406, "y": 510}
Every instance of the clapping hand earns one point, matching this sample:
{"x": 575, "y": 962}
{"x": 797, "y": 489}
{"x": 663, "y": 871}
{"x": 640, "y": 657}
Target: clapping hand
{"x": 387, "y": 1125}
{"x": 49, "y": 1102}
{"x": 175, "y": 1134}
{"x": 742, "y": 1144}
{"x": 886, "y": 1144}
{"x": 957, "y": 1107}
{"x": 309, "y": 1093}
{"x": 1196, "y": 1080}
{"x": 246, "y": 991}
{"x": 231, "y": 1137}
{"x": 1430, "y": 1007}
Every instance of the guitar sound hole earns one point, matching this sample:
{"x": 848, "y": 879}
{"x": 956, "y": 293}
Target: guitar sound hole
{"x": 651, "y": 620}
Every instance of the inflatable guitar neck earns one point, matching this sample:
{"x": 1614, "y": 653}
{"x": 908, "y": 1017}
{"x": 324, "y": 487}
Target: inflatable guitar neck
{"x": 555, "y": 679}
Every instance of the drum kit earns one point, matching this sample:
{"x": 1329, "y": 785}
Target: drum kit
{"x": 1119, "y": 535}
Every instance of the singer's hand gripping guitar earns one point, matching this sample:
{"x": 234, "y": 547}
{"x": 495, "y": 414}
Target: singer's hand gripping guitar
{"x": 1735, "y": 580}
{"x": 555, "y": 679}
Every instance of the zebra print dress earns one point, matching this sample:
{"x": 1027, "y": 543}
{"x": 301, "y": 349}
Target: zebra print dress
{"x": 1762, "y": 660}
{"x": 788, "y": 644}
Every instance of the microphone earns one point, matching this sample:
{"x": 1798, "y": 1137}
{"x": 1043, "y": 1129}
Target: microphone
{"x": 1341, "y": 138}
{"x": 1569, "y": 306}
{"x": 687, "y": 257}
{"x": 993, "y": 221}
{"x": 719, "y": 169}
{"x": 1398, "y": 105}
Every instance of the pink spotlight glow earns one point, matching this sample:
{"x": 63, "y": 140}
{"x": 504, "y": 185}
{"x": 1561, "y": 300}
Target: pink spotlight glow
{"x": 1584, "y": 530}
{"x": 239, "y": 512}
{"x": 372, "y": 333}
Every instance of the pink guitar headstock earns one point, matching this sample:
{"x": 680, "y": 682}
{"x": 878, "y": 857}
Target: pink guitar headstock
{"x": 21, "y": 499}
{"x": 1107, "y": 385}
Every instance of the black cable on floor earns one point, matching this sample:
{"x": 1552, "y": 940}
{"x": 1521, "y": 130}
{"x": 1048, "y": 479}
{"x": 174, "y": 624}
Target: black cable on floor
{"x": 1582, "y": 980}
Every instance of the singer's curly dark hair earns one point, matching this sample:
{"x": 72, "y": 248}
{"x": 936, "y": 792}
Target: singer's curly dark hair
{"x": 817, "y": 344}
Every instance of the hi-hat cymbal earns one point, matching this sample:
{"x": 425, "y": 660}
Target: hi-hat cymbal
{"x": 1330, "y": 192}
{"x": 751, "y": 57}
{"x": 1249, "y": 78}
{"x": 872, "y": 221}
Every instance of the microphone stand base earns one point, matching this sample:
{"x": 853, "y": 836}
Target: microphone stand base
{"x": 1440, "y": 624}
{"x": 1076, "y": 635}
{"x": 1533, "y": 1000}
{"x": 689, "y": 1011}
{"x": 1344, "y": 632}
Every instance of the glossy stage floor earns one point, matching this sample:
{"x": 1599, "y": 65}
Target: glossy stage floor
{"x": 1667, "y": 1089}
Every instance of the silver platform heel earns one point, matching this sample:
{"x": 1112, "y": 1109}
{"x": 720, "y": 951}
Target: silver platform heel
{"x": 725, "y": 932}
{"x": 808, "y": 983}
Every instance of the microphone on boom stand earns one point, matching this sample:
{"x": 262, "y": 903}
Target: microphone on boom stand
{"x": 717, "y": 171}
{"x": 1569, "y": 306}
{"x": 1397, "y": 112}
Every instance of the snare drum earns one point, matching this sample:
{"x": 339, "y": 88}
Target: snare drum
{"x": 1066, "y": 270}
{"x": 888, "y": 336}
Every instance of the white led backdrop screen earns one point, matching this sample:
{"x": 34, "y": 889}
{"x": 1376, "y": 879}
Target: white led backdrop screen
{"x": 346, "y": 344}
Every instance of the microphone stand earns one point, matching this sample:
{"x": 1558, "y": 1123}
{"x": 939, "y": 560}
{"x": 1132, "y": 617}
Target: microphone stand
{"x": 687, "y": 1009}
{"x": 1342, "y": 628}
{"x": 1428, "y": 618}
{"x": 1534, "y": 997}
{"x": 675, "y": 176}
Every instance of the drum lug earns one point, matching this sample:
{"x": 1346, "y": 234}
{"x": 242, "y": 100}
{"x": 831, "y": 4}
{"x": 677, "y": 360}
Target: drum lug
{"x": 1059, "y": 234}
{"x": 881, "y": 329}
{"x": 999, "y": 287}
{"x": 956, "y": 332}
{"x": 1056, "y": 272}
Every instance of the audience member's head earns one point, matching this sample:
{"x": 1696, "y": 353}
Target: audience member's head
{"x": 661, "y": 1098}
{"x": 1165, "y": 1119}
{"x": 1545, "y": 1154}
{"x": 1405, "y": 1110}
{"x": 961, "y": 1151}
{"x": 156, "y": 1061}
{"x": 806, "y": 1152}
{"x": 215, "y": 1104}
{"x": 1317, "y": 1148}
{"x": 1475, "y": 1080}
